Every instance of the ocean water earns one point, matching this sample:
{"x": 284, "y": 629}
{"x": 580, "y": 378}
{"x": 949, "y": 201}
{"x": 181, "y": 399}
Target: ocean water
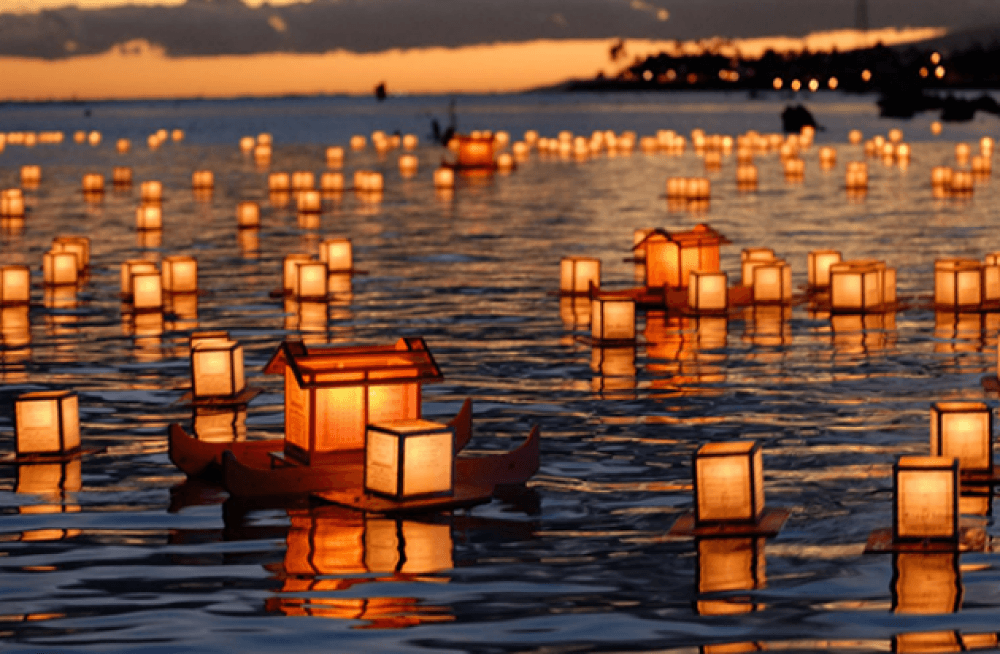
{"x": 118, "y": 552}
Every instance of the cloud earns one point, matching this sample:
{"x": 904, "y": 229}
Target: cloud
{"x": 224, "y": 27}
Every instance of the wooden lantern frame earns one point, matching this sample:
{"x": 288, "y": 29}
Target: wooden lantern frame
{"x": 574, "y": 278}
{"x": 913, "y": 464}
{"x": 68, "y": 430}
{"x": 402, "y": 432}
{"x": 750, "y": 454}
{"x": 942, "y": 412}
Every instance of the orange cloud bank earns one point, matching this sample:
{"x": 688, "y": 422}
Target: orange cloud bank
{"x": 138, "y": 70}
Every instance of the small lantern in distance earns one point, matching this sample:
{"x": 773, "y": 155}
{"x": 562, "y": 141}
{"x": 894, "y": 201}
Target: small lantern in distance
{"x": 708, "y": 291}
{"x": 406, "y": 459}
{"x": 925, "y": 503}
{"x": 60, "y": 268}
{"x": 248, "y": 215}
{"x": 336, "y": 253}
{"x": 772, "y": 282}
{"x": 31, "y": 176}
{"x": 15, "y": 285}
{"x": 963, "y": 430}
{"x": 612, "y": 320}
{"x": 358, "y": 142}
{"x": 855, "y": 287}
{"x": 444, "y": 178}
{"x": 408, "y": 165}
{"x": 331, "y": 182}
{"x": 202, "y": 180}
{"x": 93, "y": 183}
{"x": 123, "y": 146}
{"x": 578, "y": 274}
{"x": 12, "y": 203}
{"x": 151, "y": 192}
{"x": 303, "y": 180}
{"x": 149, "y": 217}
{"x": 289, "y": 278}
{"x": 121, "y": 177}
{"x": 217, "y": 369}
{"x": 335, "y": 156}
{"x": 729, "y": 482}
{"x": 309, "y": 202}
{"x": 78, "y": 245}
{"x": 47, "y": 424}
{"x": 147, "y": 291}
{"x": 179, "y": 274}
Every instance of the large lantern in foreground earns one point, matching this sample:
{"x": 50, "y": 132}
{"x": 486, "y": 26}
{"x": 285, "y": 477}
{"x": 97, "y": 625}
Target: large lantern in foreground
{"x": 958, "y": 284}
{"x": 217, "y": 369}
{"x": 475, "y": 152}
{"x": 729, "y": 482}
{"x": 47, "y": 424}
{"x": 963, "y": 430}
{"x": 670, "y": 257}
{"x": 925, "y": 503}
{"x": 856, "y": 287}
{"x": 407, "y": 459}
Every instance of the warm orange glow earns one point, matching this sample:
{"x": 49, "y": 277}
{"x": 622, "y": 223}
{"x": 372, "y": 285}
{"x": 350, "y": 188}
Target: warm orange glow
{"x": 926, "y": 498}
{"x": 409, "y": 458}
{"x": 217, "y": 369}
{"x": 728, "y": 480}
{"x": 47, "y": 423}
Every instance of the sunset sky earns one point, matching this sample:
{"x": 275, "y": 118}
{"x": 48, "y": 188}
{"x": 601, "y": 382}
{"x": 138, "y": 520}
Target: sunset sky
{"x": 93, "y": 49}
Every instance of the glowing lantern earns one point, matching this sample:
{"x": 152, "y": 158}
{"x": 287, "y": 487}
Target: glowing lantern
{"x": 750, "y": 258}
{"x": 408, "y": 165}
{"x": 902, "y": 154}
{"x": 746, "y": 177}
{"x": 713, "y": 161}
{"x": 358, "y": 142}
{"x": 153, "y": 142}
{"x": 47, "y": 424}
{"x": 309, "y": 202}
{"x": 578, "y": 274}
{"x": 121, "y": 177}
{"x": 936, "y": 128}
{"x": 981, "y": 165}
{"x": 854, "y": 136}
{"x": 958, "y": 284}
{"x": 31, "y": 176}
{"x": 217, "y": 369}
{"x": 505, "y": 162}
{"x": 278, "y": 182}
{"x": 502, "y": 138}
{"x": 444, "y": 178}
{"x": 729, "y": 482}
{"x": 332, "y": 393}
{"x": 335, "y": 156}
{"x": 336, "y": 253}
{"x": 925, "y": 504}
{"x": 856, "y": 287}
{"x": 310, "y": 280}
{"x": 405, "y": 459}
{"x": 123, "y": 146}
{"x": 961, "y": 183}
{"x": 963, "y": 430}
{"x": 94, "y": 138}
{"x": 986, "y": 146}
{"x": 151, "y": 192}
{"x": 78, "y": 245}
{"x": 149, "y": 217}
{"x": 962, "y": 152}
{"x": 15, "y": 285}
{"x": 331, "y": 182}
{"x": 60, "y": 268}
{"x": 93, "y": 184}
{"x": 290, "y": 280}
{"x": 708, "y": 291}
{"x": 410, "y": 141}
{"x": 147, "y": 291}
{"x": 248, "y": 215}
{"x": 520, "y": 149}
{"x": 772, "y": 281}
{"x": 612, "y": 320}
{"x": 265, "y": 138}
{"x": 475, "y": 152}
{"x": 78, "y": 137}
{"x": 794, "y": 169}
{"x": 856, "y": 178}
{"x": 262, "y": 153}
{"x": 670, "y": 258}
{"x": 202, "y": 180}
{"x": 530, "y": 137}
{"x": 12, "y": 203}
{"x": 177, "y": 135}
{"x": 303, "y": 180}
{"x": 827, "y": 158}
{"x": 180, "y": 274}
{"x": 131, "y": 267}
{"x": 819, "y": 267}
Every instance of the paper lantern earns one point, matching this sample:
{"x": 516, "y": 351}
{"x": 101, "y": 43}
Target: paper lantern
{"x": 827, "y": 158}
{"x": 310, "y": 280}
{"x": 94, "y": 138}
{"x": 217, "y": 369}
{"x": 963, "y": 430}
{"x": 856, "y": 177}
{"x": 147, "y": 291}
{"x": 750, "y": 258}
{"x": 179, "y": 274}
{"x": 670, "y": 258}
{"x": 121, "y": 177}
{"x": 358, "y": 142}
{"x": 855, "y": 287}
{"x": 290, "y": 272}
{"x": 309, "y": 202}
{"x": 59, "y": 268}
{"x": 149, "y": 217}
{"x": 335, "y": 156}
{"x": 505, "y": 162}
{"x": 151, "y": 192}
{"x": 336, "y": 253}
{"x": 926, "y": 583}
{"x": 278, "y": 182}
{"x": 408, "y": 165}
{"x": 153, "y": 142}
{"x": 794, "y": 169}
{"x": 475, "y": 151}
{"x": 303, "y": 180}
{"x": 406, "y": 459}
{"x": 819, "y": 267}
{"x": 31, "y": 176}
{"x": 962, "y": 152}
{"x": 958, "y": 284}
{"x": 444, "y": 178}
{"x": 612, "y": 319}
{"x": 578, "y": 274}
{"x": 202, "y": 179}
{"x": 47, "y": 424}
{"x": 177, "y": 135}
{"x": 961, "y": 183}
{"x": 772, "y": 282}
{"x": 331, "y": 182}
{"x": 265, "y": 138}
{"x": 248, "y": 215}
{"x": 93, "y": 183}
{"x": 708, "y": 291}
{"x": 746, "y": 177}
{"x": 262, "y": 154}
{"x": 925, "y": 503}
{"x": 12, "y": 203}
{"x": 78, "y": 245}
{"x": 131, "y": 267}
{"x": 729, "y": 482}
{"x": 79, "y": 136}
{"x": 15, "y": 285}
{"x": 941, "y": 176}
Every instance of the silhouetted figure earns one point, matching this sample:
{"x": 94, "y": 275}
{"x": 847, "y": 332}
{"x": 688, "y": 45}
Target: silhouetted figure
{"x": 444, "y": 136}
{"x": 793, "y": 119}
{"x": 380, "y": 92}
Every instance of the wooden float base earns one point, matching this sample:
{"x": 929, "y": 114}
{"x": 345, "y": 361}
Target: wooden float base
{"x": 243, "y": 397}
{"x": 970, "y": 539}
{"x": 769, "y": 525}
{"x": 464, "y": 496}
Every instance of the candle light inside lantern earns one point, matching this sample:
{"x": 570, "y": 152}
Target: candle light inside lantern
{"x": 331, "y": 182}
{"x": 78, "y": 245}
{"x": 121, "y": 177}
{"x": 202, "y": 180}
{"x": 444, "y": 178}
{"x": 409, "y": 458}
{"x": 12, "y": 203}
{"x": 309, "y": 202}
{"x": 290, "y": 272}
{"x": 130, "y": 267}
{"x": 151, "y": 192}
{"x": 31, "y": 176}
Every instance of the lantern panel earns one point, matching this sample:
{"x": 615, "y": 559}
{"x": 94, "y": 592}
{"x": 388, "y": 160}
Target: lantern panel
{"x": 79, "y": 245}
{"x": 337, "y": 254}
{"x": 410, "y": 458}
{"x": 772, "y": 281}
{"x": 217, "y": 369}
{"x": 576, "y": 274}
{"x": 729, "y": 482}
{"x": 926, "y": 498}
{"x": 662, "y": 262}
{"x": 393, "y": 402}
{"x": 612, "y": 319}
{"x": 340, "y": 419}
{"x": 963, "y": 430}
{"x": 47, "y": 423}
{"x": 131, "y": 267}
{"x": 290, "y": 280}
{"x": 15, "y": 284}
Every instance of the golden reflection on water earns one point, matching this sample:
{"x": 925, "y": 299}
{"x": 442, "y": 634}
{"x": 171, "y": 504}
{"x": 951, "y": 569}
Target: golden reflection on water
{"x": 615, "y": 368}
{"x": 726, "y": 565}
{"x": 220, "y": 424}
{"x": 858, "y": 336}
{"x": 51, "y": 482}
{"x": 685, "y": 354}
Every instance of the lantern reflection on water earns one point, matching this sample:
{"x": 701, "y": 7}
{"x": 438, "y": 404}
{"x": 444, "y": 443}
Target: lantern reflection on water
{"x": 963, "y": 430}
{"x": 220, "y": 424}
{"x": 726, "y": 565}
{"x": 46, "y": 424}
{"x": 925, "y": 504}
{"x": 729, "y": 482}
{"x": 614, "y": 368}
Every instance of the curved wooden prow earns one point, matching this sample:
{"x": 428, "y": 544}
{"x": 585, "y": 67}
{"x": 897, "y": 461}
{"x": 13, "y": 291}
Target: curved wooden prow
{"x": 462, "y": 424}
{"x": 508, "y": 468}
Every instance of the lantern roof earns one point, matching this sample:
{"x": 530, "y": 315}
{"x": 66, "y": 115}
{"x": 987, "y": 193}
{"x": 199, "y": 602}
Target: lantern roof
{"x": 701, "y": 234}
{"x": 407, "y": 361}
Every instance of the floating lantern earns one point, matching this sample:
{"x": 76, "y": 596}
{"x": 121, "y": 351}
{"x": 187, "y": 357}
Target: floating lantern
{"x": 289, "y": 272}
{"x": 47, "y": 424}
{"x": 335, "y": 156}
{"x": 94, "y": 138}
{"x": 279, "y": 182}
{"x": 121, "y": 177}
{"x": 962, "y": 152}
{"x": 358, "y": 142}
{"x": 60, "y": 268}
{"x": 12, "y": 203}
{"x": 819, "y": 267}
{"x": 986, "y": 146}
{"x": 612, "y": 320}
{"x": 713, "y": 161}
{"x": 93, "y": 184}
{"x": 310, "y": 280}
{"x": 670, "y": 258}
{"x": 794, "y": 169}
{"x": 638, "y": 245}
{"x": 501, "y": 138}
{"x": 751, "y": 258}
{"x": 78, "y": 245}
{"x": 963, "y": 430}
{"x": 202, "y": 180}
{"x": 410, "y": 141}
{"x": 309, "y": 202}
{"x": 772, "y": 282}
{"x": 408, "y": 164}
{"x": 746, "y": 177}
{"x": 217, "y": 369}
{"x": 475, "y": 152}
{"x": 130, "y": 267}
{"x": 31, "y": 176}
{"x": 161, "y": 134}
{"x": 368, "y": 181}
{"x": 78, "y": 137}
{"x": 177, "y": 135}
{"x": 151, "y": 192}
{"x": 857, "y": 287}
{"x": 331, "y": 182}
{"x": 982, "y": 165}
{"x": 961, "y": 183}
{"x": 15, "y": 285}
{"x": 505, "y": 162}
{"x": 729, "y": 482}
{"x": 520, "y": 150}
{"x": 854, "y": 136}
{"x": 925, "y": 503}
{"x": 303, "y": 180}
{"x": 856, "y": 178}
{"x": 531, "y": 137}
{"x": 708, "y": 291}
{"x": 578, "y": 274}
{"x": 179, "y": 274}
{"x": 958, "y": 284}
{"x": 902, "y": 154}
{"x": 123, "y": 146}
{"x": 147, "y": 291}
{"x": 406, "y": 459}
{"x": 248, "y": 215}
{"x": 827, "y": 158}
{"x": 336, "y": 253}
{"x": 262, "y": 154}
{"x": 649, "y": 144}
{"x": 149, "y": 217}
{"x": 444, "y": 178}
{"x": 153, "y": 142}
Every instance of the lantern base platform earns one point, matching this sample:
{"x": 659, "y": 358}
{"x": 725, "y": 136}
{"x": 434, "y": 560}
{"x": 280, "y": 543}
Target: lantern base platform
{"x": 970, "y": 539}
{"x": 243, "y": 397}
{"x": 770, "y": 524}
{"x": 465, "y": 495}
